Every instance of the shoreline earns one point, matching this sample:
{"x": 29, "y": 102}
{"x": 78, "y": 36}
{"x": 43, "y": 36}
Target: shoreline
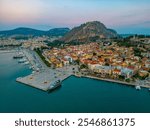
{"x": 30, "y": 58}
{"x": 7, "y": 51}
{"x": 116, "y": 81}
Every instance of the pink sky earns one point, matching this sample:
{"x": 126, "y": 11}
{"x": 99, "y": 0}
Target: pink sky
{"x": 69, "y": 13}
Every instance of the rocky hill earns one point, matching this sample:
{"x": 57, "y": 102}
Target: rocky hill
{"x": 88, "y": 32}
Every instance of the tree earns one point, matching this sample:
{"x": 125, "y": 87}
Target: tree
{"x": 128, "y": 80}
{"x": 77, "y": 61}
{"x": 83, "y": 66}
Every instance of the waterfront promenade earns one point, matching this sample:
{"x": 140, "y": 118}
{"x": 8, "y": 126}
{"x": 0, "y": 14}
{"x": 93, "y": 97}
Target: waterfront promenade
{"x": 117, "y": 81}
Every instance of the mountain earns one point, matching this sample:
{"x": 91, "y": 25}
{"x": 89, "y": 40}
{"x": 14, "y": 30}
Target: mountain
{"x": 34, "y": 32}
{"x": 57, "y": 31}
{"x": 89, "y": 31}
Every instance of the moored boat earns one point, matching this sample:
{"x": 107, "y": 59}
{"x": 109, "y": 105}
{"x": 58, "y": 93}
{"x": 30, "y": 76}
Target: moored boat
{"x": 22, "y": 60}
{"x": 138, "y": 87}
{"x": 18, "y": 55}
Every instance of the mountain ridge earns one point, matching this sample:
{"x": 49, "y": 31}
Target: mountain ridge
{"x": 35, "y": 32}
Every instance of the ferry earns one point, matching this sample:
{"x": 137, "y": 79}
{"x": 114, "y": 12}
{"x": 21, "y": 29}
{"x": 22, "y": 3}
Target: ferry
{"x": 54, "y": 85}
{"x": 138, "y": 87}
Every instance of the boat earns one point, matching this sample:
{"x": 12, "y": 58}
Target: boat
{"x": 54, "y": 85}
{"x": 138, "y": 87}
{"x": 26, "y": 63}
{"x": 18, "y": 55}
{"x": 33, "y": 72}
{"x": 22, "y": 60}
{"x": 30, "y": 67}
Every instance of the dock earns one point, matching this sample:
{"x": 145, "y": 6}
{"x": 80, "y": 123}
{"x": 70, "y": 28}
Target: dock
{"x": 42, "y": 80}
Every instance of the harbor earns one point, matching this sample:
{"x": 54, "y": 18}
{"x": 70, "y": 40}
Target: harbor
{"x": 75, "y": 95}
{"x": 43, "y": 77}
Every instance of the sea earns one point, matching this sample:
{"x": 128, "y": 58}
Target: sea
{"x": 76, "y": 95}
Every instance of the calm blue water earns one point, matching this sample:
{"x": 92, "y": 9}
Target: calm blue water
{"x": 75, "y": 95}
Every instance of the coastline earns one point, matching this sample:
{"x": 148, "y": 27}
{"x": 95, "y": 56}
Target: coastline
{"x": 7, "y": 51}
{"x": 116, "y": 81}
{"x": 24, "y": 80}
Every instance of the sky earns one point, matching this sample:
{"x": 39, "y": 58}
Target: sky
{"x": 124, "y": 16}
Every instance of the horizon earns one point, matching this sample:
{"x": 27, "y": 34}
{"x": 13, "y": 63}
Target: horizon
{"x": 126, "y": 17}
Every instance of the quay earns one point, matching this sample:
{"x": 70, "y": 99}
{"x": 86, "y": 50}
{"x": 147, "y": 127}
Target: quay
{"x": 116, "y": 81}
{"x": 42, "y": 80}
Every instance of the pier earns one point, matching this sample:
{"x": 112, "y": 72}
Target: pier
{"x": 42, "y": 80}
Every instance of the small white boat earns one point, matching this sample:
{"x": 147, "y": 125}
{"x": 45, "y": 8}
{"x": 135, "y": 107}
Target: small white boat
{"x": 22, "y": 60}
{"x": 33, "y": 72}
{"x": 26, "y": 63}
{"x": 138, "y": 87}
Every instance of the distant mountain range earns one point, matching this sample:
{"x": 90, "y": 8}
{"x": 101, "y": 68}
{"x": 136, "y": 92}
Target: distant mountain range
{"x": 89, "y": 31}
{"x": 34, "y": 32}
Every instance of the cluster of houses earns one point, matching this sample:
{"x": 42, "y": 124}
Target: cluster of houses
{"x": 109, "y": 60}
